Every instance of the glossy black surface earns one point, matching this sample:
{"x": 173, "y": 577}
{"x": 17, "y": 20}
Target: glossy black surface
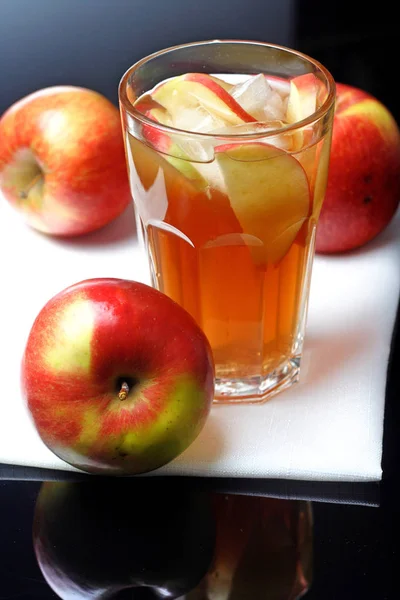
{"x": 91, "y": 43}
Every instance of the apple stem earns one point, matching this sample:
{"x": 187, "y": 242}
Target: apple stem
{"x": 124, "y": 391}
{"x": 25, "y": 193}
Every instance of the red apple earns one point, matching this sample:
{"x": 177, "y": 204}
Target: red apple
{"x": 62, "y": 161}
{"x": 363, "y": 189}
{"x": 118, "y": 378}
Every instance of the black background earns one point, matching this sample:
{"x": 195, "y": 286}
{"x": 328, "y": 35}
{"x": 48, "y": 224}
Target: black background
{"x": 91, "y": 43}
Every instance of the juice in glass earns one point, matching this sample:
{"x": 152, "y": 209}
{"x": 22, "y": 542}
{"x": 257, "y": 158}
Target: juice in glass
{"x": 228, "y": 174}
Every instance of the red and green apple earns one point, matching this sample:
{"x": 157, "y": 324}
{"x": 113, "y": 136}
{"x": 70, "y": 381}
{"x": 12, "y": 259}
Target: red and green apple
{"x": 118, "y": 378}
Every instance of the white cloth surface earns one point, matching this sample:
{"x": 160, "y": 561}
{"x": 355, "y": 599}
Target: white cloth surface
{"x": 329, "y": 426}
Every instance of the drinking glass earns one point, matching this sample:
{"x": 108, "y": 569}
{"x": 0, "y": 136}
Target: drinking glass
{"x": 228, "y": 218}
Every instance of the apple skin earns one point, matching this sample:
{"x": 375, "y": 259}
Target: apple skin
{"x": 221, "y": 92}
{"x": 62, "y": 160}
{"x": 363, "y": 188}
{"x": 84, "y": 344}
{"x": 157, "y": 113}
{"x": 129, "y": 538}
{"x": 207, "y": 92}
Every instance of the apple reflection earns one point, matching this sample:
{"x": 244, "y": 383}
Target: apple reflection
{"x": 152, "y": 538}
{"x": 130, "y": 538}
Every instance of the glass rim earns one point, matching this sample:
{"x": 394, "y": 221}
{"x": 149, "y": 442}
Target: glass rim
{"x": 314, "y": 117}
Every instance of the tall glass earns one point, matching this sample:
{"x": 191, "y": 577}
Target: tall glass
{"x": 228, "y": 218}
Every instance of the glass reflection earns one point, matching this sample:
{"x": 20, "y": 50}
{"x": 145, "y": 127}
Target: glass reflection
{"x": 263, "y": 550}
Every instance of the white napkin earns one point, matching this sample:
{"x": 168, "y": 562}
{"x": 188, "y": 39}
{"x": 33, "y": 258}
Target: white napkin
{"x": 327, "y": 427}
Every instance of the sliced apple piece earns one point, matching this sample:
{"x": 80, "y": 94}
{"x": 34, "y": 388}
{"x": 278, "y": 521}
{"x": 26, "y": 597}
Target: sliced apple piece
{"x": 161, "y": 141}
{"x": 269, "y": 193}
{"x": 198, "y": 119}
{"x": 302, "y": 103}
{"x": 161, "y": 192}
{"x": 157, "y": 113}
{"x": 199, "y": 89}
{"x": 148, "y": 164}
{"x": 307, "y": 93}
{"x": 302, "y": 97}
{"x": 224, "y": 84}
{"x": 322, "y": 159}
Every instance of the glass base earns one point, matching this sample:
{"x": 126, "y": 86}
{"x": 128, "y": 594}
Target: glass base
{"x": 257, "y": 389}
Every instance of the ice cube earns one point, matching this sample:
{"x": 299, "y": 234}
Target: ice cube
{"x": 213, "y": 175}
{"x": 193, "y": 149}
{"x": 279, "y": 84}
{"x": 197, "y": 119}
{"x": 257, "y": 97}
{"x": 194, "y": 119}
{"x": 274, "y": 107}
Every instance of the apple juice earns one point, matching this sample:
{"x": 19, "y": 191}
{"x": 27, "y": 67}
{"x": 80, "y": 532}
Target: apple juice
{"x": 229, "y": 223}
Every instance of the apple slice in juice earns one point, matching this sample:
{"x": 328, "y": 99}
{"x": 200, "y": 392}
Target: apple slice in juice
{"x": 156, "y": 112}
{"x": 269, "y": 193}
{"x": 195, "y": 208}
{"x": 304, "y": 99}
{"x": 307, "y": 94}
{"x": 162, "y": 142}
{"x": 190, "y": 206}
{"x": 180, "y": 218}
{"x": 224, "y": 84}
{"x": 199, "y": 89}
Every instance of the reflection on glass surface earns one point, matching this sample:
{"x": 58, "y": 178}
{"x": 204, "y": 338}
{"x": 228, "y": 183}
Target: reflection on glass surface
{"x": 149, "y": 538}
